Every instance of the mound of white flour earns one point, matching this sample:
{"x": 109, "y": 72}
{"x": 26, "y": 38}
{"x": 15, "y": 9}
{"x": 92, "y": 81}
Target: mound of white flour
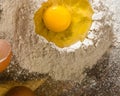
{"x": 36, "y": 54}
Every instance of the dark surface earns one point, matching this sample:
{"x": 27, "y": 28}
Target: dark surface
{"x": 102, "y": 80}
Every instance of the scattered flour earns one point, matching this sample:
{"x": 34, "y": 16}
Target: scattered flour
{"x": 38, "y": 55}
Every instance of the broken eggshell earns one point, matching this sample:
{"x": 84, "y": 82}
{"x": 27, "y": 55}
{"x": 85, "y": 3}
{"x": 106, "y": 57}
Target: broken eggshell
{"x": 20, "y": 91}
{"x": 5, "y": 54}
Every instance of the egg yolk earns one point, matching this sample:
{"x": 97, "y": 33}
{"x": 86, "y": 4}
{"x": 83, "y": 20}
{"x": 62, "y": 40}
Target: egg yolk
{"x": 57, "y": 18}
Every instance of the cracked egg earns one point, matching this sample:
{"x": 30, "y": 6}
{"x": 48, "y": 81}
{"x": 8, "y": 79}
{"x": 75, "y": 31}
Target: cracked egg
{"x": 64, "y": 22}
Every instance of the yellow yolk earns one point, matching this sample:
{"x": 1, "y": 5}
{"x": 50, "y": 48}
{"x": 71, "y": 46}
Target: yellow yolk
{"x": 57, "y": 18}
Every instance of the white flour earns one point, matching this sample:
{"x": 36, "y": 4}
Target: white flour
{"x": 38, "y": 55}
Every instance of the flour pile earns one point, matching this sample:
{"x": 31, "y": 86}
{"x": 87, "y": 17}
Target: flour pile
{"x": 36, "y": 54}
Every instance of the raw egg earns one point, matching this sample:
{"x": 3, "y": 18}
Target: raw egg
{"x": 20, "y": 91}
{"x": 5, "y": 54}
{"x": 64, "y": 22}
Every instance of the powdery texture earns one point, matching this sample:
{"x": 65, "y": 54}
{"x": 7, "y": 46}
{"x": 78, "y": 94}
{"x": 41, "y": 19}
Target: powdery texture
{"x": 36, "y": 54}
